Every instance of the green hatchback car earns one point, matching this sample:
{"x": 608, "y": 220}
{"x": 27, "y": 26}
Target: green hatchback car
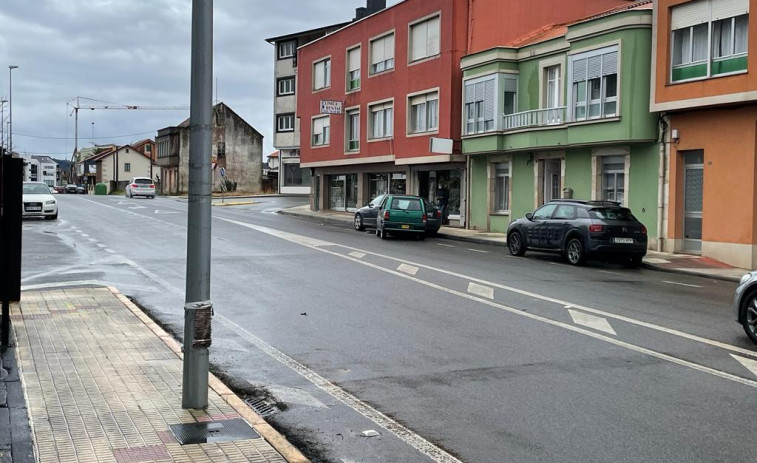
{"x": 402, "y": 214}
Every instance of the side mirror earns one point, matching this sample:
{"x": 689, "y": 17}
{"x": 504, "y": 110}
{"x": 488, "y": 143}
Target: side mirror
{"x": 530, "y": 216}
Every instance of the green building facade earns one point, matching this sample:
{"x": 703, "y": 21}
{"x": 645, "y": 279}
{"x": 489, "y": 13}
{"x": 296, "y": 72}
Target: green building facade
{"x": 563, "y": 113}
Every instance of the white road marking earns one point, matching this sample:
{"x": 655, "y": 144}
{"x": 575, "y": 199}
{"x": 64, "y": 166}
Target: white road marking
{"x": 157, "y": 211}
{"x": 478, "y": 250}
{"x": 444, "y": 245}
{"x": 591, "y": 321}
{"x": 102, "y": 245}
{"x": 409, "y": 269}
{"x": 481, "y": 290}
{"x": 655, "y": 260}
{"x": 749, "y": 364}
{"x": 294, "y": 238}
{"x": 110, "y": 251}
{"x": 357, "y": 255}
{"x": 681, "y": 284}
{"x": 92, "y": 240}
{"x": 610, "y": 273}
{"x": 84, "y": 235}
{"x": 137, "y": 207}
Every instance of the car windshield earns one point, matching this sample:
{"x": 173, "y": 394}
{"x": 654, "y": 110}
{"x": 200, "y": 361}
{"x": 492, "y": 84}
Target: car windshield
{"x": 143, "y": 181}
{"x": 36, "y": 189}
{"x": 406, "y": 204}
{"x": 377, "y": 200}
{"x": 611, "y": 213}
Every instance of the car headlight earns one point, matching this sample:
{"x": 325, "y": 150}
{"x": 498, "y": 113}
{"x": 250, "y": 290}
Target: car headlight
{"x": 745, "y": 278}
{"x": 50, "y": 202}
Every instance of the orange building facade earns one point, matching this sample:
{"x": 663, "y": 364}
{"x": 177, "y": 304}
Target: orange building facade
{"x": 704, "y": 86}
{"x": 380, "y": 103}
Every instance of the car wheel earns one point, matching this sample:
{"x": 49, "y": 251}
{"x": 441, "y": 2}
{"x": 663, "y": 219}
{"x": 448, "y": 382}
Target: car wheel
{"x": 515, "y": 244}
{"x": 359, "y": 222}
{"x": 574, "y": 252}
{"x": 382, "y": 235}
{"x": 749, "y": 308}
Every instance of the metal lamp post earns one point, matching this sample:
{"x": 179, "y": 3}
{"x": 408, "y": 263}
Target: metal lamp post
{"x": 10, "y": 108}
{"x": 2, "y": 123}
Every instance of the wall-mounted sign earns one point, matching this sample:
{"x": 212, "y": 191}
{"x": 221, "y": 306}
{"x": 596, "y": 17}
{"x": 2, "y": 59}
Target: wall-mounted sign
{"x": 331, "y": 107}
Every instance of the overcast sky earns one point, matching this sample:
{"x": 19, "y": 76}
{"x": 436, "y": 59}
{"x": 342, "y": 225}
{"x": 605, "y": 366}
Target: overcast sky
{"x": 137, "y": 52}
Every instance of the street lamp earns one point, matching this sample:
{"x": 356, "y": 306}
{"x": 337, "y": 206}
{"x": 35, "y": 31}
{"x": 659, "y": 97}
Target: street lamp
{"x": 2, "y": 123}
{"x": 10, "y": 108}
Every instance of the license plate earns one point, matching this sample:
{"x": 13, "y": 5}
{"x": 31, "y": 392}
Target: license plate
{"x": 623, "y": 240}
{"x": 406, "y": 226}
{"x": 33, "y": 208}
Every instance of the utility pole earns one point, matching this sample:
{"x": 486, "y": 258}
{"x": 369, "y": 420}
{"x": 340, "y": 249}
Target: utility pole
{"x": 198, "y": 307}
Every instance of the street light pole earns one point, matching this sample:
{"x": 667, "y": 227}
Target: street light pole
{"x": 2, "y": 124}
{"x": 10, "y": 108}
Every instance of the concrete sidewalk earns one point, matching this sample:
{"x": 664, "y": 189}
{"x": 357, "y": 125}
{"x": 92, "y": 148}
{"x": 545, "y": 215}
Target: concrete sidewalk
{"x": 676, "y": 263}
{"x": 103, "y": 384}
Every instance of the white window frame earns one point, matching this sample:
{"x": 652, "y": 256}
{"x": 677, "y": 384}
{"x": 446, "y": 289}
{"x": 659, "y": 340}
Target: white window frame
{"x": 353, "y": 72}
{"x": 603, "y": 77}
{"x": 496, "y": 176}
{"x": 322, "y": 67}
{"x": 384, "y": 110}
{"x": 323, "y": 137}
{"x": 351, "y": 145}
{"x": 475, "y": 119}
{"x": 285, "y": 122}
{"x": 424, "y": 29}
{"x": 426, "y": 119}
{"x": 285, "y": 86}
{"x": 286, "y": 49}
{"x": 386, "y": 63}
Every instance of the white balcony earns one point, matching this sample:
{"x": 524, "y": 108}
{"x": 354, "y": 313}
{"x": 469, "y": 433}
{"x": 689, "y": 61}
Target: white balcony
{"x": 534, "y": 118}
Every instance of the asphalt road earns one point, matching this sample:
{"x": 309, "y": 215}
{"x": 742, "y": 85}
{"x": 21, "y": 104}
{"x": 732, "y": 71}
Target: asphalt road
{"x": 451, "y": 351}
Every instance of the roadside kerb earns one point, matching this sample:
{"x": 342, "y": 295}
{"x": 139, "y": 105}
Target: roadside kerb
{"x": 277, "y": 441}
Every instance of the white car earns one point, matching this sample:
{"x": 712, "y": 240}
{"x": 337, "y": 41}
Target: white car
{"x": 38, "y": 202}
{"x": 140, "y": 186}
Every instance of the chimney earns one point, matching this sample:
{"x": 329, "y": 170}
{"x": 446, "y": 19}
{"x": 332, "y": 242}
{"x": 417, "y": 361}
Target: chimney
{"x": 372, "y": 6}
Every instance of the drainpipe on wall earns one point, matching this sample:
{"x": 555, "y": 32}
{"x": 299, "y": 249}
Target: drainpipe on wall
{"x": 664, "y": 141}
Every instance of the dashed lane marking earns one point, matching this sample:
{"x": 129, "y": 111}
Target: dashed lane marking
{"x": 681, "y": 284}
{"x": 481, "y": 290}
{"x": 444, "y": 245}
{"x": 357, "y": 255}
{"x": 409, "y": 269}
{"x": 478, "y": 250}
{"x": 591, "y": 321}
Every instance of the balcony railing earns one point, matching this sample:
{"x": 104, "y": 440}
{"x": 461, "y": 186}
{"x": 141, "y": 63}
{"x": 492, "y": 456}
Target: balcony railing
{"x": 534, "y": 118}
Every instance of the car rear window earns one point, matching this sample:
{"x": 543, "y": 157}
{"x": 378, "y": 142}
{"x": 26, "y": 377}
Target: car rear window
{"x": 406, "y": 204}
{"x": 611, "y": 213}
{"x": 143, "y": 181}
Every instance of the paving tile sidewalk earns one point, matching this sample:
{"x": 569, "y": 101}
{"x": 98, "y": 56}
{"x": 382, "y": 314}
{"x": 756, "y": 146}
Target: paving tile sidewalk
{"x": 676, "y": 263}
{"x": 103, "y": 384}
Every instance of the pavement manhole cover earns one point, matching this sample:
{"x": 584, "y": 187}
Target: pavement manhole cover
{"x": 213, "y": 431}
{"x": 261, "y": 406}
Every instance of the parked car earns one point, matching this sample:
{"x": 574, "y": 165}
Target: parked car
{"x": 745, "y": 303}
{"x": 52, "y": 190}
{"x": 81, "y": 189}
{"x": 402, "y": 214}
{"x": 365, "y": 217}
{"x": 580, "y": 229}
{"x": 60, "y": 189}
{"x": 71, "y": 188}
{"x": 38, "y": 202}
{"x": 140, "y": 186}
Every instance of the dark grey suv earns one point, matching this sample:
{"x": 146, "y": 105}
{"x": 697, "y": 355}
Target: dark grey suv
{"x": 580, "y": 229}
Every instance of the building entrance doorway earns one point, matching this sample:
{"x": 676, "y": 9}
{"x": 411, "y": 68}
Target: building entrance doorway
{"x": 693, "y": 186}
{"x": 442, "y": 188}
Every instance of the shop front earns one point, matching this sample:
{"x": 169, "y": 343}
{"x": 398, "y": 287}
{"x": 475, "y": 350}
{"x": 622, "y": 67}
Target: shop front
{"x": 443, "y": 187}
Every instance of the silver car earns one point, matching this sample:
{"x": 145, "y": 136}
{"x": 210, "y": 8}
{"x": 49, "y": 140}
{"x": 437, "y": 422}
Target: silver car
{"x": 745, "y": 303}
{"x": 140, "y": 186}
{"x": 38, "y": 202}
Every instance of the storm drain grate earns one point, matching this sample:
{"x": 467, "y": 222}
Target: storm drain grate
{"x": 213, "y": 431}
{"x": 261, "y": 406}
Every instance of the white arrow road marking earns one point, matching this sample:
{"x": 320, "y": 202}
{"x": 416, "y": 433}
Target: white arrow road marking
{"x": 591, "y": 321}
{"x": 409, "y": 269}
{"x": 481, "y": 290}
{"x": 165, "y": 212}
{"x": 357, "y": 255}
{"x": 749, "y": 364}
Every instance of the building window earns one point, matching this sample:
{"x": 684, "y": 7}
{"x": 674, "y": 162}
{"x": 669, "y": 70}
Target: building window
{"x": 595, "y": 84}
{"x": 501, "y": 199}
{"x": 382, "y": 120}
{"x": 613, "y": 178}
{"x": 294, "y": 175}
{"x": 708, "y": 38}
{"x": 424, "y": 112}
{"x": 353, "y": 129}
{"x": 480, "y": 101}
{"x": 287, "y": 49}
{"x": 424, "y": 39}
{"x": 285, "y": 123}
{"x": 148, "y": 148}
{"x": 221, "y": 149}
{"x": 127, "y": 165}
{"x": 511, "y": 94}
{"x": 285, "y": 86}
{"x": 321, "y": 131}
{"x": 322, "y": 74}
{"x": 353, "y": 69}
{"x": 382, "y": 54}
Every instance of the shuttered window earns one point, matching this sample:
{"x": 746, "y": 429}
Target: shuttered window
{"x": 322, "y": 74}
{"x": 480, "y": 104}
{"x": 382, "y": 120}
{"x": 353, "y": 69}
{"x": 382, "y": 54}
{"x": 321, "y": 131}
{"x": 594, "y": 84}
{"x": 424, "y": 39}
{"x": 424, "y": 112}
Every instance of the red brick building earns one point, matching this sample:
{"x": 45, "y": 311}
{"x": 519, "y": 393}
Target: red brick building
{"x": 380, "y": 101}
